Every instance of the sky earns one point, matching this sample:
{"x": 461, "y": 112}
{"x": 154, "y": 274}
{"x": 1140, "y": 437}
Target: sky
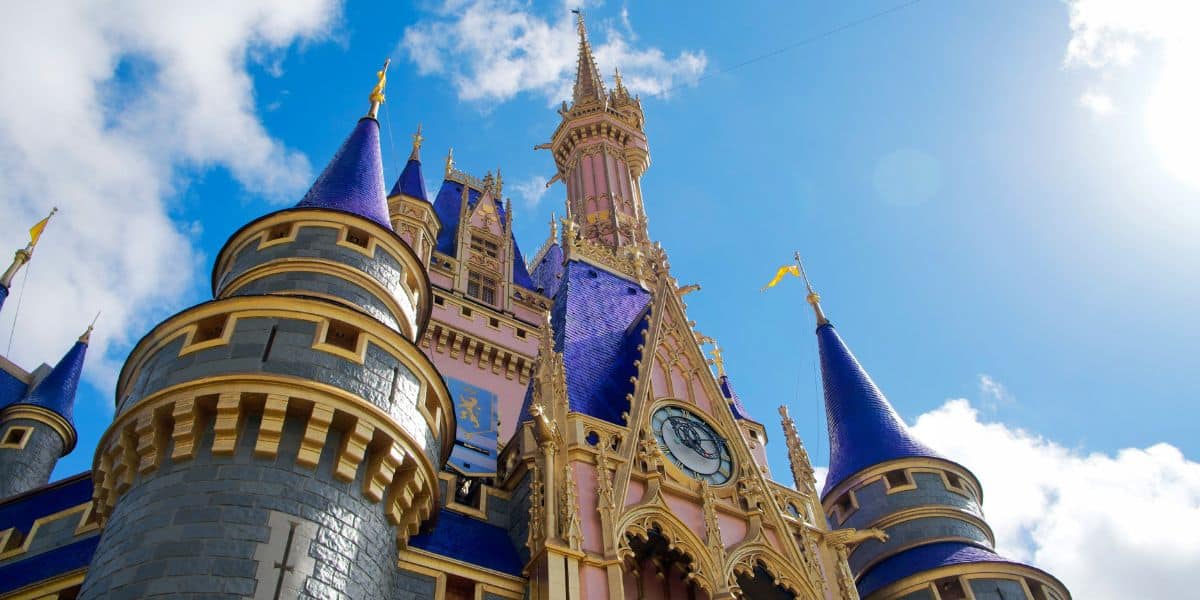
{"x": 999, "y": 203}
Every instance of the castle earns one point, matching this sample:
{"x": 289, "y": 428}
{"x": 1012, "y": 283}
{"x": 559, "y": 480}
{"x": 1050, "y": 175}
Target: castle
{"x": 385, "y": 399}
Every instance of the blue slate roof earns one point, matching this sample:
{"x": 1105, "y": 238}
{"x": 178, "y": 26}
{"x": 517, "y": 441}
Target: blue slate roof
{"x": 923, "y": 558}
{"x": 448, "y": 205}
{"x": 598, "y": 321}
{"x": 547, "y": 273}
{"x": 410, "y": 182}
{"x": 11, "y": 389}
{"x": 735, "y": 402}
{"x": 472, "y": 541}
{"x": 22, "y": 510}
{"x": 864, "y": 429}
{"x": 3, "y": 295}
{"x": 56, "y": 391}
{"x": 353, "y": 180}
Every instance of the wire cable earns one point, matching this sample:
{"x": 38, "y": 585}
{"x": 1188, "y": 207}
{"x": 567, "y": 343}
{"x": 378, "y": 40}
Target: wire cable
{"x": 814, "y": 38}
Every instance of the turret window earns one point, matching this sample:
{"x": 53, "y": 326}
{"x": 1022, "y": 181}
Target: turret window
{"x": 357, "y": 237}
{"x": 481, "y": 287}
{"x": 16, "y": 437}
{"x": 342, "y": 335}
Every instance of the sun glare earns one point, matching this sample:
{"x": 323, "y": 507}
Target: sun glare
{"x": 1173, "y": 114}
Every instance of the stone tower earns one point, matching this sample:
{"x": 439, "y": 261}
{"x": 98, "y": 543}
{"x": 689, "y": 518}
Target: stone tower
{"x": 37, "y": 428}
{"x": 937, "y": 545}
{"x": 282, "y": 440}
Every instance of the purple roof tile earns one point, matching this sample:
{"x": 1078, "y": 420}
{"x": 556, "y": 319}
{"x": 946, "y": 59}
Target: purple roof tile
{"x": 471, "y": 541}
{"x": 353, "y": 180}
{"x": 547, "y": 274}
{"x": 594, "y": 317}
{"x": 864, "y": 429}
{"x": 56, "y": 391}
{"x": 410, "y": 182}
{"x": 735, "y": 402}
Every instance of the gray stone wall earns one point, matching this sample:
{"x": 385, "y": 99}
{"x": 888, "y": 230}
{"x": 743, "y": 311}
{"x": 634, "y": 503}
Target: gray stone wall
{"x": 910, "y": 533}
{"x": 874, "y": 502}
{"x": 204, "y": 528}
{"x": 26, "y": 468}
{"x": 320, "y": 283}
{"x": 413, "y": 586}
{"x": 382, "y": 380}
{"x": 322, "y": 243}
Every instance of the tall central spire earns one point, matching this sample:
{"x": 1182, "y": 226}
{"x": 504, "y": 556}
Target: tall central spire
{"x": 588, "y": 84}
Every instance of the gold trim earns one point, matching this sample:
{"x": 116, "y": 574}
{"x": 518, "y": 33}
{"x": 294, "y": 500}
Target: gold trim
{"x": 45, "y": 416}
{"x": 914, "y": 465}
{"x": 333, "y": 269}
{"x": 48, "y": 588}
{"x": 298, "y": 308}
{"x": 970, "y": 571}
{"x": 413, "y": 559}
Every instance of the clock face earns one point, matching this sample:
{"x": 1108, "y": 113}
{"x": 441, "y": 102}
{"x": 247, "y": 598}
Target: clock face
{"x": 692, "y": 444}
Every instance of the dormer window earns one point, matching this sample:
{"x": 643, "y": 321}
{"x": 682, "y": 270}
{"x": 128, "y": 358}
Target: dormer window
{"x": 481, "y": 287}
{"x": 485, "y": 246}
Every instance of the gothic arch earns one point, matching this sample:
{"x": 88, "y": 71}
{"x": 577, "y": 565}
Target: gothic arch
{"x": 746, "y": 557}
{"x": 641, "y": 521}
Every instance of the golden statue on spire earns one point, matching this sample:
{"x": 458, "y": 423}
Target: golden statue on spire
{"x": 376, "y": 96}
{"x": 417, "y": 139}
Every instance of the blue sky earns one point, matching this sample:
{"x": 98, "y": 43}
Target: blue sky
{"x": 989, "y": 197}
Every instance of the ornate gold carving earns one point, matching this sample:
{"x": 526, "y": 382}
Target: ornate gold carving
{"x": 802, "y": 469}
{"x": 712, "y": 525}
{"x": 604, "y": 486}
{"x": 536, "y": 510}
{"x": 569, "y": 510}
{"x": 842, "y": 541}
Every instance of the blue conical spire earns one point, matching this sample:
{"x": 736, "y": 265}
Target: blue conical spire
{"x": 411, "y": 183}
{"x": 353, "y": 180}
{"x": 864, "y": 429}
{"x": 56, "y": 391}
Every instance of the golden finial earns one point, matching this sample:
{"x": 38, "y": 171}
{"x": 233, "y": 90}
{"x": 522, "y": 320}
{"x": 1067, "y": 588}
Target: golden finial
{"x": 87, "y": 335}
{"x": 553, "y": 226}
{"x": 24, "y": 254}
{"x": 449, "y": 162}
{"x": 579, "y": 23}
{"x": 718, "y": 359}
{"x": 813, "y": 297}
{"x": 617, "y": 82}
{"x": 417, "y": 139}
{"x": 376, "y": 96}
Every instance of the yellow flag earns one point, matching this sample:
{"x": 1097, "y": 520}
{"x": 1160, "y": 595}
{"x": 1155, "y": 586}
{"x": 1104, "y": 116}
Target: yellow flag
{"x": 793, "y": 269}
{"x": 35, "y": 232}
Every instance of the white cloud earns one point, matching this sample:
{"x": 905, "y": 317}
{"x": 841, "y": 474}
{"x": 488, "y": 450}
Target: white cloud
{"x": 992, "y": 392}
{"x": 531, "y": 190}
{"x": 1109, "y": 526}
{"x": 1099, "y": 103}
{"x": 1109, "y": 36}
{"x": 103, "y": 111}
{"x": 496, "y": 49}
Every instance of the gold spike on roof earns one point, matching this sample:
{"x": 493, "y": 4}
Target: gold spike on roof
{"x": 417, "y": 139}
{"x": 588, "y": 84}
